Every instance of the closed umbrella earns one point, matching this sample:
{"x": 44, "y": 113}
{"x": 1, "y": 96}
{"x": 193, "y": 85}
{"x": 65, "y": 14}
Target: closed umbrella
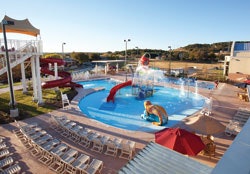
{"x": 205, "y": 125}
{"x": 180, "y": 140}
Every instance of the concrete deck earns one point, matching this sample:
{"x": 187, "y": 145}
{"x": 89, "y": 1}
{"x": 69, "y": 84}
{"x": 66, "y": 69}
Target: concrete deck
{"x": 225, "y": 104}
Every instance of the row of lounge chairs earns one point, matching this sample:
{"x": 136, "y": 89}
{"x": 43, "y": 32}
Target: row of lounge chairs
{"x": 84, "y": 75}
{"x": 239, "y": 119}
{"x": 96, "y": 141}
{"x": 55, "y": 154}
{"x": 7, "y": 164}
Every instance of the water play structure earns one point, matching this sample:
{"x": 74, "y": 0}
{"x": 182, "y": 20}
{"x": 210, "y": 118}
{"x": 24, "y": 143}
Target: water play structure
{"x": 155, "y": 113}
{"x": 65, "y": 81}
{"x": 144, "y": 78}
{"x": 142, "y": 82}
{"x": 142, "y": 85}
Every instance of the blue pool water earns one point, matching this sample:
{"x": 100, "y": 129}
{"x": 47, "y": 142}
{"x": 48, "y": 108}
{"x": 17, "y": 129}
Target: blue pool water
{"x": 126, "y": 111}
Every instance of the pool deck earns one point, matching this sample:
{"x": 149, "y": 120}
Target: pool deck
{"x": 225, "y": 105}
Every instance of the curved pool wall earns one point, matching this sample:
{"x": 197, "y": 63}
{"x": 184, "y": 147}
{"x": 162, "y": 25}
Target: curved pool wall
{"x": 125, "y": 112}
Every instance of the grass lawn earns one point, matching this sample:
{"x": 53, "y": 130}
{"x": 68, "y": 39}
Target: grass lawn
{"x": 27, "y": 107}
{"x": 205, "y": 71}
{"x": 178, "y": 64}
{"x": 7, "y": 85}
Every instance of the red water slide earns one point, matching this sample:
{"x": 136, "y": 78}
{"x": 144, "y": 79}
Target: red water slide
{"x": 65, "y": 81}
{"x": 116, "y": 88}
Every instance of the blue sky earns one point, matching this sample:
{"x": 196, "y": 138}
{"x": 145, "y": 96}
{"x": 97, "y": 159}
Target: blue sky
{"x": 102, "y": 25}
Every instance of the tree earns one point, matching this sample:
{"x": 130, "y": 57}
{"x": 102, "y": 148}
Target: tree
{"x": 94, "y": 56}
{"x": 80, "y": 57}
{"x": 53, "y": 55}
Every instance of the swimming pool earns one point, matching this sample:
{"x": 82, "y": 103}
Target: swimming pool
{"x": 126, "y": 111}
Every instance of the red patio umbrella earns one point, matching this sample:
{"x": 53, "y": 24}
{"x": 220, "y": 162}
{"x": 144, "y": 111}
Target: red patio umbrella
{"x": 180, "y": 140}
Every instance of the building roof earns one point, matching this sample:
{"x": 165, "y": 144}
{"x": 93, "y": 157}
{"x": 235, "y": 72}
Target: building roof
{"x": 236, "y": 159}
{"x": 155, "y": 158}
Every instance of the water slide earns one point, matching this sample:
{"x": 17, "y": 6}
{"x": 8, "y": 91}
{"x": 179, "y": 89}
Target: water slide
{"x": 65, "y": 81}
{"x": 116, "y": 88}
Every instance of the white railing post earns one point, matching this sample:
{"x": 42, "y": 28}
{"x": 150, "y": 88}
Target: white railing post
{"x": 33, "y": 71}
{"x": 38, "y": 79}
{"x": 23, "y": 78}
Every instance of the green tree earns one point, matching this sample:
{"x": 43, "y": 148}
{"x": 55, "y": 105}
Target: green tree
{"x": 53, "y": 55}
{"x": 94, "y": 56}
{"x": 80, "y": 57}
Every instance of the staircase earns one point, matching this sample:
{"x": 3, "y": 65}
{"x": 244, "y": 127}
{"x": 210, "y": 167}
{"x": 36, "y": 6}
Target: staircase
{"x": 19, "y": 51}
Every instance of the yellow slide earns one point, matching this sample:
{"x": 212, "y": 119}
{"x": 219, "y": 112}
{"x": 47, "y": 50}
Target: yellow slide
{"x": 156, "y": 110}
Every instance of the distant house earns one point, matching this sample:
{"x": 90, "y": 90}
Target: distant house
{"x": 237, "y": 65}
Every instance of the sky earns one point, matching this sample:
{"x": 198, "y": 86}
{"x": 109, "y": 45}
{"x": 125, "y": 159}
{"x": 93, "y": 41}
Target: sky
{"x": 103, "y": 25}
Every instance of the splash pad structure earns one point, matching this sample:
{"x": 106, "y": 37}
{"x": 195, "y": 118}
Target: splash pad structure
{"x": 144, "y": 78}
{"x": 143, "y": 87}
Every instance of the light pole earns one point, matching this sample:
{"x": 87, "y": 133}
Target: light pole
{"x": 63, "y": 49}
{"x": 13, "y": 110}
{"x": 169, "y": 66}
{"x": 137, "y": 52}
{"x": 126, "y": 44}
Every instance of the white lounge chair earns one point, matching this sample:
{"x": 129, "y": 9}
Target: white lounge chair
{"x": 60, "y": 149}
{"x": 66, "y": 159}
{"x": 233, "y": 128}
{"x": 50, "y": 144}
{"x": 38, "y": 134}
{"x": 27, "y": 126}
{"x": 14, "y": 169}
{"x": 6, "y": 162}
{"x": 84, "y": 141}
{"x": 56, "y": 164}
{"x": 3, "y": 146}
{"x": 97, "y": 145}
{"x": 61, "y": 124}
{"x": 79, "y": 165}
{"x": 242, "y": 116}
{"x": 66, "y": 129}
{"x": 46, "y": 158}
{"x": 65, "y": 100}
{"x": 4, "y": 153}
{"x": 111, "y": 149}
{"x": 126, "y": 152}
{"x": 42, "y": 140}
{"x": 74, "y": 133}
{"x": 95, "y": 166}
{"x": 132, "y": 145}
{"x": 238, "y": 121}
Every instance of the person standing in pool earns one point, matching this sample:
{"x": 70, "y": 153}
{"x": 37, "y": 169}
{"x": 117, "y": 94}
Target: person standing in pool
{"x": 216, "y": 83}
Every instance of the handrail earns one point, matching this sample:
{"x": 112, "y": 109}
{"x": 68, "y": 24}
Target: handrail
{"x": 19, "y": 52}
